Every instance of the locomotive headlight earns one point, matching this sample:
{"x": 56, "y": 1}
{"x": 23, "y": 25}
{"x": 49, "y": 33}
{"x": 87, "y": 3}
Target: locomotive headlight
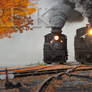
{"x": 90, "y": 32}
{"x": 56, "y": 37}
{"x": 61, "y": 41}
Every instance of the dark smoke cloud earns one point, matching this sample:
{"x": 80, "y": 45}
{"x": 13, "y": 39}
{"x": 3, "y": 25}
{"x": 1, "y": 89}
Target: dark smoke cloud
{"x": 87, "y": 6}
{"x": 75, "y": 16}
{"x": 59, "y": 14}
{"x": 71, "y": 10}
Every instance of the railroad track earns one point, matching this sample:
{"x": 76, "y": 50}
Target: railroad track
{"x": 68, "y": 72}
{"x": 41, "y": 69}
{"x": 54, "y": 70}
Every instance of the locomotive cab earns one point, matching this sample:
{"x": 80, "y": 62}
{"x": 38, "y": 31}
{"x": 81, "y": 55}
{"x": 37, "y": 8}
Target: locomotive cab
{"x": 55, "y": 48}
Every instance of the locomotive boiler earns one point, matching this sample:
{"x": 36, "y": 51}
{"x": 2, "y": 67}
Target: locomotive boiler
{"x": 55, "y": 48}
{"x": 83, "y": 45}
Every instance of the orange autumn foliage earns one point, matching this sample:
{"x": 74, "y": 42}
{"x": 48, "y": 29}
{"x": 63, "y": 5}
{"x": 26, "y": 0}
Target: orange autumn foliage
{"x": 15, "y": 16}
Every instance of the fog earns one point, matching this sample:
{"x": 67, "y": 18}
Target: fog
{"x": 27, "y": 48}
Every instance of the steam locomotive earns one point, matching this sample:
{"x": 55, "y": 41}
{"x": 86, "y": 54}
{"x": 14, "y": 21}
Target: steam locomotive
{"x": 55, "y": 48}
{"x": 83, "y": 45}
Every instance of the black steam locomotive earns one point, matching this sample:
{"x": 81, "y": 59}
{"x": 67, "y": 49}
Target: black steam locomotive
{"x": 83, "y": 45}
{"x": 55, "y": 48}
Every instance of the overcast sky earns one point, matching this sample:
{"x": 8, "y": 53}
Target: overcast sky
{"x": 27, "y": 48}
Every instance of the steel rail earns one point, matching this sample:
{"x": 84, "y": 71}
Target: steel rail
{"x": 23, "y": 68}
{"x": 49, "y": 79}
{"x": 43, "y": 72}
{"x": 67, "y": 72}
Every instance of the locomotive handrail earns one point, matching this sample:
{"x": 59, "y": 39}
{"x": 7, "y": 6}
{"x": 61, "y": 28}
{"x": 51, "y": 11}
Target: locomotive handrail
{"x": 83, "y": 36}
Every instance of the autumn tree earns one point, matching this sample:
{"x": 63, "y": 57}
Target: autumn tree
{"x": 15, "y": 16}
